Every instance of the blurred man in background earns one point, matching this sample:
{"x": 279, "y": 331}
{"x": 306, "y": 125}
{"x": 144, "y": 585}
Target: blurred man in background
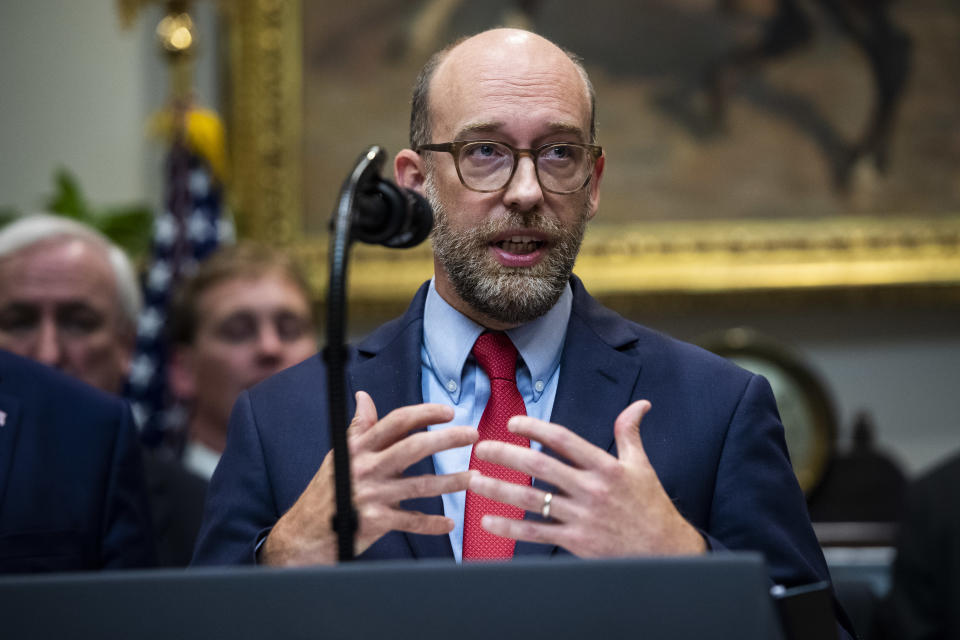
{"x": 68, "y": 298}
{"x": 74, "y": 495}
{"x": 244, "y": 315}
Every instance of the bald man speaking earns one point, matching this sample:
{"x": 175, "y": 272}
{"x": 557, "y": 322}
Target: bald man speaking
{"x": 507, "y": 412}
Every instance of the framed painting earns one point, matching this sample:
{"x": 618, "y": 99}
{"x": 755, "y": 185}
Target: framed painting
{"x": 753, "y": 146}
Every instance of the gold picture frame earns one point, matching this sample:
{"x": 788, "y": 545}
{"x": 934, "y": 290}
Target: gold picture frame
{"x": 897, "y": 257}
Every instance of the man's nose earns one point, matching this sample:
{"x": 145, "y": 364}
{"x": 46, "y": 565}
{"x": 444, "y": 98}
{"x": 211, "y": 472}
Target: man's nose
{"x": 46, "y": 348}
{"x": 524, "y": 192}
{"x": 269, "y": 344}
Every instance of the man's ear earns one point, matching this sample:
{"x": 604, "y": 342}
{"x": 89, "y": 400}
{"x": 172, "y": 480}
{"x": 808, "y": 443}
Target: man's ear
{"x": 127, "y": 344}
{"x": 181, "y": 374}
{"x": 408, "y": 170}
{"x": 594, "y": 185}
{"x": 124, "y": 345}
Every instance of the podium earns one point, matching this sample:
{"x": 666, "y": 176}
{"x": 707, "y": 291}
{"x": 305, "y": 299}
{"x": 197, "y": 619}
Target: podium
{"x": 722, "y": 596}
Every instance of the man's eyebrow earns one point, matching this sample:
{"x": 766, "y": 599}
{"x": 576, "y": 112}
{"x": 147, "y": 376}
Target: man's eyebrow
{"x": 71, "y": 306}
{"x": 563, "y": 127}
{"x": 493, "y": 127}
{"x": 15, "y": 307}
{"x": 478, "y": 127}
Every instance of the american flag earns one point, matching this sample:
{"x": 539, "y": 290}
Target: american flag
{"x": 190, "y": 228}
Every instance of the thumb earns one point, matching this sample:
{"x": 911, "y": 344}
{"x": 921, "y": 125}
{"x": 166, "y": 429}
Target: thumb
{"x": 365, "y": 416}
{"x": 626, "y": 430}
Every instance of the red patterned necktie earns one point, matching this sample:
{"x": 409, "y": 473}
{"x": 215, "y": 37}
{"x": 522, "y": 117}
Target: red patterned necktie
{"x": 497, "y": 356}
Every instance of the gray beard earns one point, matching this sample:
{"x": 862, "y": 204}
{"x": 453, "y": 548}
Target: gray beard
{"x": 509, "y": 295}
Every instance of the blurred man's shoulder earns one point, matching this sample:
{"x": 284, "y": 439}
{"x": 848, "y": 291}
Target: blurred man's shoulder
{"x": 306, "y": 373}
{"x": 28, "y": 378}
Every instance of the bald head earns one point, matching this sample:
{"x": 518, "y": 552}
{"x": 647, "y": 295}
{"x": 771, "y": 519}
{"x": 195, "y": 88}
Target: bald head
{"x": 526, "y": 61}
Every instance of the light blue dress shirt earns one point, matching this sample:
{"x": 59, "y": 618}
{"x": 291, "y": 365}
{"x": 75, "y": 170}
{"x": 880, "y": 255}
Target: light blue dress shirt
{"x": 451, "y": 376}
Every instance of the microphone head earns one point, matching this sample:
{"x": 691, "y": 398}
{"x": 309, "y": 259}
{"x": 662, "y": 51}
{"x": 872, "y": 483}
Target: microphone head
{"x": 393, "y": 217}
{"x": 382, "y": 212}
{"x": 418, "y": 221}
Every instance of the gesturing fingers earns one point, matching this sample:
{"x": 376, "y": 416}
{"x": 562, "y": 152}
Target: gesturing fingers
{"x": 417, "y": 522}
{"x": 626, "y": 431}
{"x": 576, "y": 450}
{"x": 399, "y": 422}
{"x": 533, "y": 463}
{"x": 365, "y": 416}
{"x": 419, "y": 445}
{"x": 425, "y": 486}
{"x": 529, "y": 530}
{"x": 524, "y": 496}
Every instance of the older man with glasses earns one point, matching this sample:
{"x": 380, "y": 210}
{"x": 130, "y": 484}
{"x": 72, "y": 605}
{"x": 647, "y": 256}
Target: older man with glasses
{"x": 508, "y": 413}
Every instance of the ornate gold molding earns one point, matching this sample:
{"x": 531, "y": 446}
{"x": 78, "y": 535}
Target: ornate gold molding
{"x": 721, "y": 256}
{"x": 743, "y": 258}
{"x": 265, "y": 50}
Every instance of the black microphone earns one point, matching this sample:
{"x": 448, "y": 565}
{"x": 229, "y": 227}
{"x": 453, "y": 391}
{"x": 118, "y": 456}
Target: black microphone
{"x": 383, "y": 213}
{"x": 374, "y": 210}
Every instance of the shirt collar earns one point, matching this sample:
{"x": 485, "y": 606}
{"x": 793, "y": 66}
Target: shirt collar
{"x": 448, "y": 338}
{"x": 200, "y": 459}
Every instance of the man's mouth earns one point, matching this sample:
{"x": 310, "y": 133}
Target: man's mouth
{"x": 520, "y": 248}
{"x": 519, "y": 244}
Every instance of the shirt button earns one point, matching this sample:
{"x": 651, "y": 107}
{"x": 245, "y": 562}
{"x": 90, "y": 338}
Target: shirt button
{"x": 539, "y": 386}
{"x": 451, "y": 386}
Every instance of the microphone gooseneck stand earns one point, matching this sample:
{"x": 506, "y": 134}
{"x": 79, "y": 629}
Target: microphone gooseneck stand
{"x": 373, "y": 210}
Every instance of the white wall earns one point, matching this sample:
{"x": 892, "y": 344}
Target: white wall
{"x": 76, "y": 91}
{"x": 73, "y": 96}
{"x": 910, "y": 384}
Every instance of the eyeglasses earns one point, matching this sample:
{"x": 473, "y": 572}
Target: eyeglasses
{"x": 487, "y": 166}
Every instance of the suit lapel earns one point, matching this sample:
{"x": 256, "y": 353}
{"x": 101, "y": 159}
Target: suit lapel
{"x": 596, "y": 384}
{"x": 597, "y": 381}
{"x": 388, "y": 368}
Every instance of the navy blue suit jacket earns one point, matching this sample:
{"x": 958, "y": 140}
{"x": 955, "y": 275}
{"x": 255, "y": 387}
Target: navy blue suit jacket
{"x": 713, "y": 436}
{"x": 72, "y": 493}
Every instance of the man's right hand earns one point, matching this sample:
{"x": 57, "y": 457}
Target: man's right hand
{"x": 380, "y": 451}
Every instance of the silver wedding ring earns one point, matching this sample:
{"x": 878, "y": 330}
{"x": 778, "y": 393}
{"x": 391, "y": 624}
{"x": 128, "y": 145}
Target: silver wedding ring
{"x": 545, "y": 509}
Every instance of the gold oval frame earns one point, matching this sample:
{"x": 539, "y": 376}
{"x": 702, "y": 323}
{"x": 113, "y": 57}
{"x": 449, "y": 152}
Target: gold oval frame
{"x": 822, "y": 429}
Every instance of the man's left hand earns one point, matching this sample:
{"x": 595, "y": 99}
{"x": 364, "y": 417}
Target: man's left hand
{"x": 602, "y": 505}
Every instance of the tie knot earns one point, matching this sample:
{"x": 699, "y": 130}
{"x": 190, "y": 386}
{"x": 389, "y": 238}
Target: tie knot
{"x": 496, "y": 355}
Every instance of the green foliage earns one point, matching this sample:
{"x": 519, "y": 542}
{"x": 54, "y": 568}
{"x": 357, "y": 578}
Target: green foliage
{"x": 68, "y": 200}
{"x": 7, "y": 214}
{"x": 130, "y": 227}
